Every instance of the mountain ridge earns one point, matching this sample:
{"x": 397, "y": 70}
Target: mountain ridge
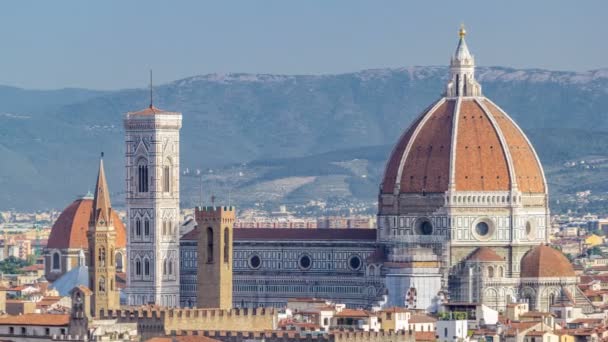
{"x": 50, "y": 140}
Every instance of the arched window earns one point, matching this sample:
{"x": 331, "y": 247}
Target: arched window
{"x": 209, "y": 244}
{"x": 111, "y": 284}
{"x": 167, "y": 178}
{"x": 146, "y": 227}
{"x": 501, "y": 272}
{"x": 170, "y": 262}
{"x": 146, "y": 267}
{"x": 138, "y": 267}
{"x": 165, "y": 267}
{"x": 118, "y": 262}
{"x": 164, "y": 227}
{"x": 102, "y": 284}
{"x": 137, "y": 227}
{"x": 490, "y": 272}
{"x": 56, "y": 262}
{"x": 102, "y": 257}
{"x": 142, "y": 176}
{"x": 226, "y": 245}
{"x": 169, "y": 227}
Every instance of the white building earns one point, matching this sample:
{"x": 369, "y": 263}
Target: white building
{"x": 152, "y": 162}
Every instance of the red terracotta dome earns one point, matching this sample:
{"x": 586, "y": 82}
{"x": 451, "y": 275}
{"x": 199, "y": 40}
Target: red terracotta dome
{"x": 485, "y": 254}
{"x": 70, "y": 229}
{"x": 544, "y": 261}
{"x": 474, "y": 146}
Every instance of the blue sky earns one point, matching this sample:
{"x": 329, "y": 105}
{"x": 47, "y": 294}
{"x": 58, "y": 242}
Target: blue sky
{"x": 112, "y": 44}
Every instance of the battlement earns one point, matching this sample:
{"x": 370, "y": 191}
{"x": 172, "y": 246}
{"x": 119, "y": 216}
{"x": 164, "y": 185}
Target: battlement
{"x": 171, "y": 313}
{"x": 302, "y": 336}
{"x": 214, "y": 213}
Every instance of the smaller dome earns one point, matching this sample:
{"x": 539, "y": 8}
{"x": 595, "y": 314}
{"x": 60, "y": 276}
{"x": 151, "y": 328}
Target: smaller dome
{"x": 485, "y": 254}
{"x": 543, "y": 261}
{"x": 70, "y": 229}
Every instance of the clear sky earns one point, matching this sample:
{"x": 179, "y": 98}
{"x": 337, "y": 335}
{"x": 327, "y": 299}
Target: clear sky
{"x": 112, "y": 44}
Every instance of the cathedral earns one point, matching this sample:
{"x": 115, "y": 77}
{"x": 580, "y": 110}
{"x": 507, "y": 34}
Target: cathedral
{"x": 463, "y": 217}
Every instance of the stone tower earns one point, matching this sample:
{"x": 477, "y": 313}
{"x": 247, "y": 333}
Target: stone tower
{"x": 81, "y": 311}
{"x": 214, "y": 278}
{"x": 102, "y": 243}
{"x": 152, "y": 162}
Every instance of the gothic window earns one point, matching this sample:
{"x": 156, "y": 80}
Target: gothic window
{"x": 167, "y": 178}
{"x": 490, "y": 272}
{"x": 119, "y": 262}
{"x": 209, "y": 245}
{"x": 142, "y": 176}
{"x": 146, "y": 227}
{"x": 170, "y": 262}
{"x": 56, "y": 262}
{"x": 102, "y": 284}
{"x": 164, "y": 227}
{"x": 138, "y": 267}
{"x": 102, "y": 257}
{"x": 165, "y": 267}
{"x": 146, "y": 267}
{"x": 226, "y": 245}
{"x": 137, "y": 227}
{"x": 111, "y": 284}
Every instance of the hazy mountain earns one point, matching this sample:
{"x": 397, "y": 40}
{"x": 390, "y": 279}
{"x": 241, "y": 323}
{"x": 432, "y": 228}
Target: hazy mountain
{"x": 278, "y": 138}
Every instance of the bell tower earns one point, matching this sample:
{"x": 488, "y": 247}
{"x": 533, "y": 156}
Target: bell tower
{"x": 102, "y": 242}
{"x": 214, "y": 278}
{"x": 152, "y": 163}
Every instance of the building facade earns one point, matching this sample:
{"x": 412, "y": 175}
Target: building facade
{"x": 462, "y": 217}
{"x": 152, "y": 163}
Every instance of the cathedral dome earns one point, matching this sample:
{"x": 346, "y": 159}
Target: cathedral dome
{"x": 543, "y": 261}
{"x": 463, "y": 142}
{"x": 70, "y": 229}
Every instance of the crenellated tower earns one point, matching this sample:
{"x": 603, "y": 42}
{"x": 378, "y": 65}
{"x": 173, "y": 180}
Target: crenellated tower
{"x": 214, "y": 278}
{"x": 152, "y": 163}
{"x": 102, "y": 245}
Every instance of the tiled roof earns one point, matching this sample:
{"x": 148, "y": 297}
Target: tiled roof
{"x": 425, "y": 336}
{"x": 418, "y": 318}
{"x": 70, "y": 229}
{"x": 245, "y": 234}
{"x": 544, "y": 261}
{"x": 352, "y": 313}
{"x": 481, "y": 162}
{"x": 485, "y": 254}
{"x": 36, "y": 319}
{"x": 185, "y": 338}
{"x": 151, "y": 110}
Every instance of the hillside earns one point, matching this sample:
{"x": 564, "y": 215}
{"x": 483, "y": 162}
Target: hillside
{"x": 275, "y": 138}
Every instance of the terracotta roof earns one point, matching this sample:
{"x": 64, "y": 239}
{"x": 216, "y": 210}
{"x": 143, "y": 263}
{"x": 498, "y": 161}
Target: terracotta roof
{"x": 485, "y": 254}
{"x": 544, "y": 261}
{"x": 420, "y": 161}
{"x": 352, "y": 313}
{"x": 36, "y": 319}
{"x": 425, "y": 336}
{"x": 70, "y": 229}
{"x": 151, "y": 110}
{"x": 245, "y": 234}
{"x": 418, "y": 318}
{"x": 536, "y": 314}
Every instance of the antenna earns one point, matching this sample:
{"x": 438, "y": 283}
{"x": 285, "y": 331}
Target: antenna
{"x": 151, "y": 97}
{"x": 101, "y": 155}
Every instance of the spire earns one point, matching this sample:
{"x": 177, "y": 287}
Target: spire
{"x": 462, "y": 70}
{"x": 102, "y": 208}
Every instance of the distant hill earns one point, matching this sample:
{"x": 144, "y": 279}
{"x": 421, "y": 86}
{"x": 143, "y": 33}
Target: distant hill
{"x": 276, "y": 138}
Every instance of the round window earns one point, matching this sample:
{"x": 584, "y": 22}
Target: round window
{"x": 305, "y": 262}
{"x": 255, "y": 262}
{"x": 482, "y": 229}
{"x": 424, "y": 227}
{"x": 354, "y": 262}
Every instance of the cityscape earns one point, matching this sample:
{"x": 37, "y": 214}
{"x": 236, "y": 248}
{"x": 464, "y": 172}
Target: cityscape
{"x": 190, "y": 211}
